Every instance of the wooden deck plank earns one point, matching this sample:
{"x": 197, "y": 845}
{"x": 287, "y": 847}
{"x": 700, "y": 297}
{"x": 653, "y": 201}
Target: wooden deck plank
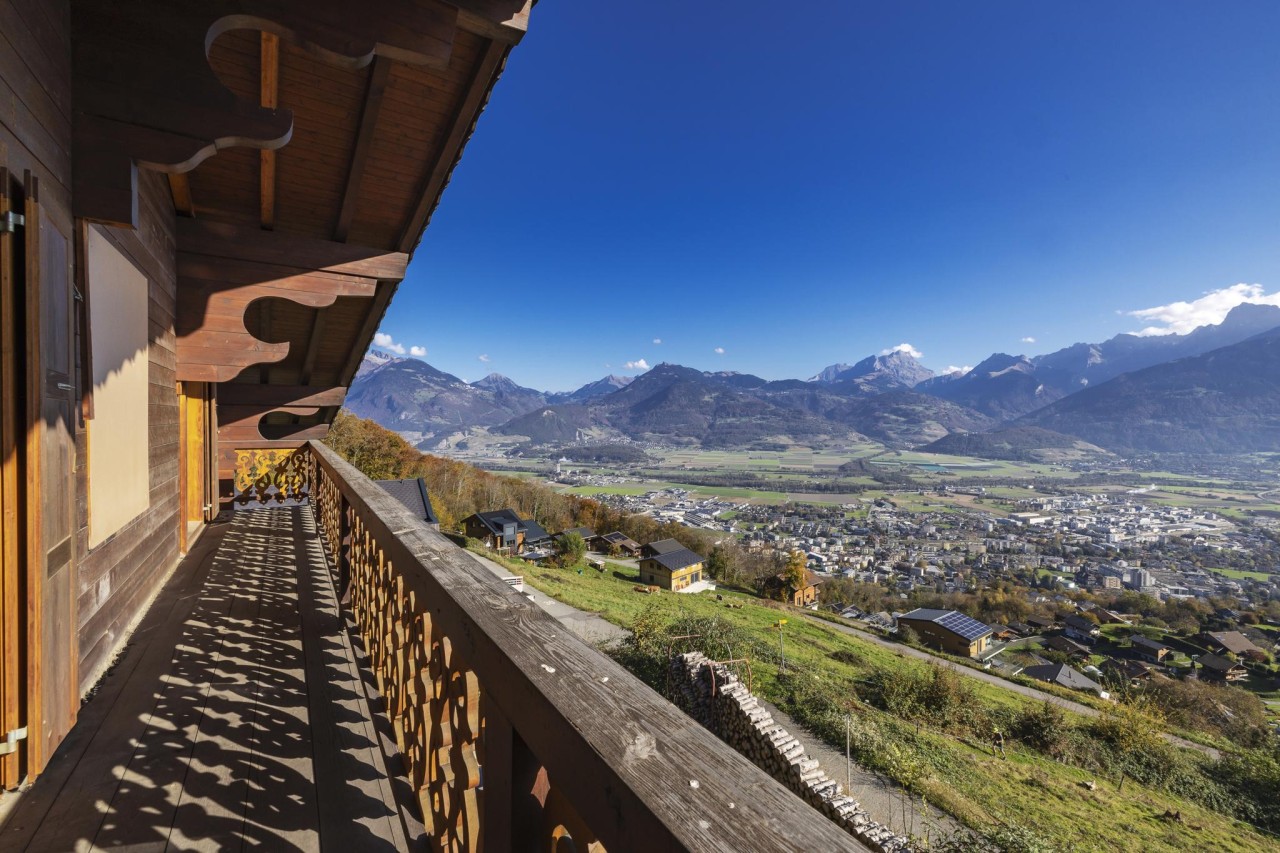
{"x": 349, "y": 766}
{"x": 237, "y": 720}
{"x": 69, "y": 801}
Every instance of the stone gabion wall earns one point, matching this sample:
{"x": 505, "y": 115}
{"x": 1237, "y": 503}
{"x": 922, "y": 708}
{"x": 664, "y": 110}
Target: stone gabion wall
{"x": 738, "y": 718}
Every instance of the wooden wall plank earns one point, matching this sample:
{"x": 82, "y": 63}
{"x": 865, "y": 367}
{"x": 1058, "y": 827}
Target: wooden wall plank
{"x": 123, "y": 573}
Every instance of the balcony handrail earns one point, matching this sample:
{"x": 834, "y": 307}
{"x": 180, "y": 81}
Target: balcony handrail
{"x": 604, "y": 752}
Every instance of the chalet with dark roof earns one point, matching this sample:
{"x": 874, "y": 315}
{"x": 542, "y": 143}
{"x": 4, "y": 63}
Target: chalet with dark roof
{"x": 620, "y": 541}
{"x": 413, "y": 494}
{"x": 1079, "y": 628}
{"x": 1218, "y": 668}
{"x": 1068, "y": 646}
{"x": 1003, "y": 632}
{"x": 1221, "y": 642}
{"x": 673, "y": 570}
{"x": 1148, "y": 649}
{"x": 1126, "y": 670}
{"x": 1040, "y": 623}
{"x": 662, "y": 546}
{"x": 948, "y": 630}
{"x": 503, "y": 530}
{"x": 1062, "y": 675}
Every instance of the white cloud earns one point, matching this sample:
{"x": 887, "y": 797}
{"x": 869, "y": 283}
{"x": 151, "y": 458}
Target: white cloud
{"x": 484, "y": 357}
{"x": 657, "y": 340}
{"x": 719, "y": 350}
{"x": 386, "y": 342}
{"x": 907, "y": 348}
{"x": 1028, "y": 340}
{"x": 1178, "y": 318}
{"x": 959, "y": 371}
{"x": 638, "y": 364}
{"x": 418, "y": 352}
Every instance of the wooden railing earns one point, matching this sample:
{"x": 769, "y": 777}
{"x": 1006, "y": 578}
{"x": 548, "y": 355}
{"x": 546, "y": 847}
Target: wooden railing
{"x": 515, "y": 734}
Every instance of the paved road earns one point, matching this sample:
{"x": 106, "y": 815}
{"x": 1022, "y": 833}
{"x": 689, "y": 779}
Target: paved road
{"x": 594, "y": 629}
{"x": 1086, "y": 710}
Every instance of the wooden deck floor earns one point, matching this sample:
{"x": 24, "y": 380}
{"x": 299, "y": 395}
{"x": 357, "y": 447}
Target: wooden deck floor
{"x": 237, "y": 718}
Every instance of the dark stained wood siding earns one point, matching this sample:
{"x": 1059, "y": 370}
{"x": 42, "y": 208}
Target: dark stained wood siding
{"x": 120, "y": 576}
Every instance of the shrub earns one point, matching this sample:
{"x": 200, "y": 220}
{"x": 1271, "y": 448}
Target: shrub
{"x": 570, "y": 549}
{"x": 1044, "y": 727}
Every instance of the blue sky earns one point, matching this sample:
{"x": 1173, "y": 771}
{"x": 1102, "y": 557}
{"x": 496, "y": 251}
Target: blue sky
{"x": 806, "y": 184}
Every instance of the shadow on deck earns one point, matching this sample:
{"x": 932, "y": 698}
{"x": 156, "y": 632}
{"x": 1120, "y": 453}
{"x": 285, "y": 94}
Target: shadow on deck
{"x": 238, "y": 716}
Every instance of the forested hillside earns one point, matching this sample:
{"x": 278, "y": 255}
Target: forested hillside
{"x": 457, "y": 490}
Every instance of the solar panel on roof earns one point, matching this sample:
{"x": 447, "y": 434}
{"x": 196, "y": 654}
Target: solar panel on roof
{"x": 970, "y": 629}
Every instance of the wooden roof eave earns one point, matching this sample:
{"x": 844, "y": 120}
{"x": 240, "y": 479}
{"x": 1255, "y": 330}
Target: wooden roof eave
{"x": 224, "y": 268}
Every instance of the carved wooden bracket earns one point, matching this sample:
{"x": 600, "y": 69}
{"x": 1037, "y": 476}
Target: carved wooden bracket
{"x": 241, "y": 426}
{"x": 145, "y": 94}
{"x": 213, "y": 342}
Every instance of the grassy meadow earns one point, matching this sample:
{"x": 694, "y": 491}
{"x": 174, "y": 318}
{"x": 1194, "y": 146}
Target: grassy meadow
{"x": 957, "y": 774}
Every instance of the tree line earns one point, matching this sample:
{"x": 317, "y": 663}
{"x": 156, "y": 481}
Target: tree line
{"x": 458, "y": 490}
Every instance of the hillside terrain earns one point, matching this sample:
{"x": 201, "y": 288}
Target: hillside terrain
{"x": 1224, "y": 401}
{"x": 1019, "y": 444}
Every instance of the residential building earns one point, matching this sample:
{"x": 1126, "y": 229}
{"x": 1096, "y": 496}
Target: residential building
{"x": 673, "y": 570}
{"x": 1060, "y": 643}
{"x": 948, "y": 630}
{"x": 503, "y": 530}
{"x": 1217, "y": 668}
{"x": 1127, "y": 670}
{"x": 1062, "y": 675}
{"x": 1221, "y": 642}
{"x": 1079, "y": 628}
{"x": 1148, "y": 649}
{"x": 609, "y": 541}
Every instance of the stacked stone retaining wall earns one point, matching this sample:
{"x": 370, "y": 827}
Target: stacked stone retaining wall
{"x": 712, "y": 694}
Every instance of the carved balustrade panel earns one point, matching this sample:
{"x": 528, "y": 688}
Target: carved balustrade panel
{"x": 278, "y": 476}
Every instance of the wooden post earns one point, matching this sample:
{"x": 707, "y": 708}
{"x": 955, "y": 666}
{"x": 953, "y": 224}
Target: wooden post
{"x": 342, "y": 550}
{"x": 848, "y": 757}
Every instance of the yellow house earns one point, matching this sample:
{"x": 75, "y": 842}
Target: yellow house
{"x": 674, "y": 570}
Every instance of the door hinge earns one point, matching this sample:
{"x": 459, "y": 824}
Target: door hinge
{"x": 10, "y": 743}
{"x": 10, "y": 221}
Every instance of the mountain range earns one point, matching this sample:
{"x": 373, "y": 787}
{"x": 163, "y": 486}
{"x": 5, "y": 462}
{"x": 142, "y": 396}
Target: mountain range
{"x": 1215, "y": 389}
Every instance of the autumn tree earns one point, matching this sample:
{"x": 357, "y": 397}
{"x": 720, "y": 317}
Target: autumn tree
{"x": 794, "y": 573}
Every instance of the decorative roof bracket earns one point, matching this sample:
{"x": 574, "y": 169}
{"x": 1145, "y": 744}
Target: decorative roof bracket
{"x": 145, "y": 94}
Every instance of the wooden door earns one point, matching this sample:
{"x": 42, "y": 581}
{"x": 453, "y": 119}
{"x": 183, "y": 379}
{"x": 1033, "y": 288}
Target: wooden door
{"x": 38, "y": 650}
{"x": 12, "y": 489}
{"x": 195, "y": 473}
{"x": 52, "y": 671}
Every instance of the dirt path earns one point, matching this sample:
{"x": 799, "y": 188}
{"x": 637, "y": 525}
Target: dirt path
{"x": 1031, "y": 692}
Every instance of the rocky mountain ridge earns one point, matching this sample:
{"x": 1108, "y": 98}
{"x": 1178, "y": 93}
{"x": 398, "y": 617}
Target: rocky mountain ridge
{"x": 1015, "y": 400}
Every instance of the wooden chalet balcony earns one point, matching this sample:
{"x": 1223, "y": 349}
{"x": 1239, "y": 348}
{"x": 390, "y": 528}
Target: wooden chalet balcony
{"x": 437, "y": 708}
